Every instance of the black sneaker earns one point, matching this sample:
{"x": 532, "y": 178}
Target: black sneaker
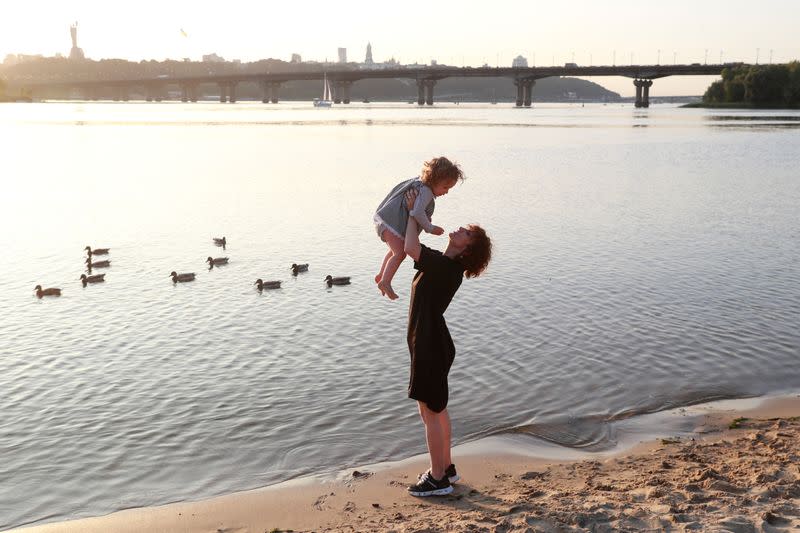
{"x": 428, "y": 486}
{"x": 451, "y": 473}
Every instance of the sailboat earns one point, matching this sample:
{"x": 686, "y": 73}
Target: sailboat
{"x": 327, "y": 97}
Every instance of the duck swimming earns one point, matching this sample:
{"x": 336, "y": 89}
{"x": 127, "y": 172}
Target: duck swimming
{"x": 52, "y": 291}
{"x": 97, "y": 278}
{"x": 220, "y": 241}
{"x": 340, "y": 280}
{"x": 261, "y": 285}
{"x": 96, "y": 251}
{"x": 188, "y": 276}
{"x": 299, "y": 268}
{"x": 97, "y": 264}
{"x": 217, "y": 261}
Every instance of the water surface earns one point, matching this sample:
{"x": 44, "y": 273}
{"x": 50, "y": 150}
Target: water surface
{"x": 644, "y": 259}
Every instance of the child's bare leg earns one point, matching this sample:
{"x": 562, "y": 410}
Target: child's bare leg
{"x": 386, "y": 258}
{"x": 396, "y": 246}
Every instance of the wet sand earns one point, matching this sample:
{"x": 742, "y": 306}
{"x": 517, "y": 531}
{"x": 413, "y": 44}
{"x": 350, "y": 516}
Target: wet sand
{"x": 743, "y": 478}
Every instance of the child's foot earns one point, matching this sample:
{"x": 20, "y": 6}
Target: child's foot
{"x": 378, "y": 278}
{"x": 386, "y": 290}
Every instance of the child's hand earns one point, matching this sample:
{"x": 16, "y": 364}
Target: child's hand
{"x": 437, "y": 230}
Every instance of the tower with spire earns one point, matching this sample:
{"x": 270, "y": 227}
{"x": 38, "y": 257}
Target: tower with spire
{"x": 368, "y": 59}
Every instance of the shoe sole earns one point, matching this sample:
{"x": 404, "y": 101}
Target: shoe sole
{"x": 438, "y": 492}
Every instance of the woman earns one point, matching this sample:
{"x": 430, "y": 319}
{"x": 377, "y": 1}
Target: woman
{"x": 438, "y": 277}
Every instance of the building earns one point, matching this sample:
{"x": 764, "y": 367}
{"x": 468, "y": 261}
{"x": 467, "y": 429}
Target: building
{"x": 15, "y": 59}
{"x": 368, "y": 60}
{"x": 342, "y": 55}
{"x": 213, "y": 58}
{"x": 519, "y": 61}
{"x": 296, "y": 58}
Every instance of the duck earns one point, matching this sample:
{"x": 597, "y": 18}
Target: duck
{"x": 267, "y": 284}
{"x": 339, "y": 280}
{"x": 52, "y": 291}
{"x": 220, "y": 241}
{"x": 296, "y": 269}
{"x": 217, "y": 261}
{"x": 96, "y": 251}
{"x": 97, "y": 278}
{"x": 188, "y": 276}
{"x": 97, "y": 264}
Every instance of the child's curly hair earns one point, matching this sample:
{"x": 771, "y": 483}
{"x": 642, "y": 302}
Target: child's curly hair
{"x": 476, "y": 257}
{"x": 440, "y": 169}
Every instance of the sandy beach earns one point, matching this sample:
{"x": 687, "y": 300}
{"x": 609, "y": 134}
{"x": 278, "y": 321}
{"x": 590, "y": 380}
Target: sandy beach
{"x": 739, "y": 472}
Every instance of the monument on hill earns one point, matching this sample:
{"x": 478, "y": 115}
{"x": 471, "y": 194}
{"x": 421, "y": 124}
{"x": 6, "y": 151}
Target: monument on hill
{"x": 75, "y": 52}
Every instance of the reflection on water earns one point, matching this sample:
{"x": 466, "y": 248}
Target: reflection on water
{"x": 758, "y": 117}
{"x": 636, "y": 269}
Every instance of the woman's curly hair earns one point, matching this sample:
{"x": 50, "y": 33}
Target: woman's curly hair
{"x": 475, "y": 258}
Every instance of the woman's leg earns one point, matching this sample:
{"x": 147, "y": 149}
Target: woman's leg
{"x": 447, "y": 459}
{"x": 396, "y": 247}
{"x": 437, "y": 431}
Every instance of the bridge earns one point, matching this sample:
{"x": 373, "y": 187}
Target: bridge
{"x": 342, "y": 79}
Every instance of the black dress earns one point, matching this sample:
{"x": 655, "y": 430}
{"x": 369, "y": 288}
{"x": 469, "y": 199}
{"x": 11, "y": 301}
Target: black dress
{"x": 432, "y": 351}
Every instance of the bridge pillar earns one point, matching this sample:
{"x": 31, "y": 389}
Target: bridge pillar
{"x": 420, "y": 92}
{"x": 336, "y": 90}
{"x": 429, "y": 84}
{"x": 232, "y": 92}
{"x": 266, "y": 92}
{"x": 184, "y": 93}
{"x": 269, "y": 92}
{"x": 646, "y": 93}
{"x": 520, "y": 91}
{"x": 120, "y": 93}
{"x": 223, "y": 93}
{"x": 193, "y": 92}
{"x": 345, "y": 89}
{"x": 528, "y": 92}
{"x": 638, "y": 84}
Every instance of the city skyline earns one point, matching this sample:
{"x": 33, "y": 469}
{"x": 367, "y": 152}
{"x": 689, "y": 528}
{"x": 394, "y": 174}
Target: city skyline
{"x": 583, "y": 32}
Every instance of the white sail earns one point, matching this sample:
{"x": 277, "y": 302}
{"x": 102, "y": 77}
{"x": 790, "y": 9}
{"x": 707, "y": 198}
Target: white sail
{"x": 327, "y": 94}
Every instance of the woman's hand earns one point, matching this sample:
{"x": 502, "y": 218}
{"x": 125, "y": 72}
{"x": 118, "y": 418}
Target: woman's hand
{"x": 411, "y": 197}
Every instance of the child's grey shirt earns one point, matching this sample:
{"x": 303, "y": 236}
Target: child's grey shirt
{"x": 392, "y": 213}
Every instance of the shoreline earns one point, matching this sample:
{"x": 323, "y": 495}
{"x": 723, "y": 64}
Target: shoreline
{"x": 509, "y": 484}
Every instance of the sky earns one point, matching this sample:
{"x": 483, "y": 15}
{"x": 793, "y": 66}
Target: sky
{"x": 452, "y": 32}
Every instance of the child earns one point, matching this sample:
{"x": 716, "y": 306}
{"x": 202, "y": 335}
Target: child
{"x": 438, "y": 176}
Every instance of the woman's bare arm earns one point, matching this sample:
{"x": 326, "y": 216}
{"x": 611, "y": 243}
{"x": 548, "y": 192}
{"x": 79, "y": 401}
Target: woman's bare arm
{"x": 412, "y": 247}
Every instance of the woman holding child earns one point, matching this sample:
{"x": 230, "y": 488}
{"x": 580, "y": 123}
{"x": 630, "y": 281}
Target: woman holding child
{"x": 438, "y": 278}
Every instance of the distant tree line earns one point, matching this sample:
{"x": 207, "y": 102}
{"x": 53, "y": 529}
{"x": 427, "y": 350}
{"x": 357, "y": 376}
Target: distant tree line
{"x": 757, "y": 85}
